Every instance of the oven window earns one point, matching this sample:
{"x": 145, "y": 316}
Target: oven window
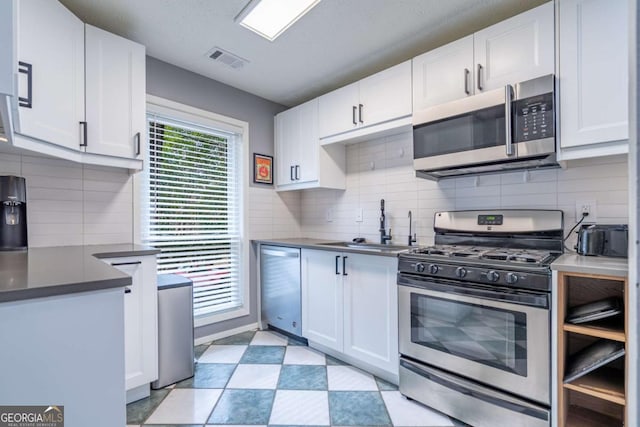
{"x": 487, "y": 335}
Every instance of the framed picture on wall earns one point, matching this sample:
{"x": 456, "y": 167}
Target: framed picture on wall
{"x": 262, "y": 168}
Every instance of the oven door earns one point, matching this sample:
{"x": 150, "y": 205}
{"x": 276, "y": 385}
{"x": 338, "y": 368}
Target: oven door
{"x": 499, "y": 338}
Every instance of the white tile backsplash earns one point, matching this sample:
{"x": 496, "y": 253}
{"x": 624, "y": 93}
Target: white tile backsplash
{"x": 73, "y": 204}
{"x": 393, "y": 179}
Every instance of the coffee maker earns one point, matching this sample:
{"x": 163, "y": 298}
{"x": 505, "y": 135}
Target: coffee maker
{"x": 13, "y": 213}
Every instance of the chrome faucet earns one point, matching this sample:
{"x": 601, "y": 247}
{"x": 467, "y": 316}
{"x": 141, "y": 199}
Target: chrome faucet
{"x": 411, "y": 239}
{"x": 384, "y": 237}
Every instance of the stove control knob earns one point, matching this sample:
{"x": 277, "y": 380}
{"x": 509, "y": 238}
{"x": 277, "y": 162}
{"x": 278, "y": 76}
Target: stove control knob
{"x": 512, "y": 278}
{"x": 433, "y": 269}
{"x": 493, "y": 276}
{"x": 461, "y": 272}
{"x": 419, "y": 267}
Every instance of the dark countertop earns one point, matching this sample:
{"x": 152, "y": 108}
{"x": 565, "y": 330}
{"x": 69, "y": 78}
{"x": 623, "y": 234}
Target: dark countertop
{"x": 61, "y": 270}
{"x": 323, "y": 244}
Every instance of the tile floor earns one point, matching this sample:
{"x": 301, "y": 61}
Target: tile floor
{"x": 263, "y": 378}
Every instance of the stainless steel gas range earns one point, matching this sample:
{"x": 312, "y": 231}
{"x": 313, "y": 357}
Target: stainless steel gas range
{"x": 474, "y": 316}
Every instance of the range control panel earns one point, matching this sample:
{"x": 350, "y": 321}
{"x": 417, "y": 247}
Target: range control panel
{"x": 490, "y": 219}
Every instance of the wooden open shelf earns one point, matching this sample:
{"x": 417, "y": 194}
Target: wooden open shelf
{"x": 604, "y": 383}
{"x": 599, "y": 397}
{"x": 579, "y": 416}
{"x": 615, "y": 334}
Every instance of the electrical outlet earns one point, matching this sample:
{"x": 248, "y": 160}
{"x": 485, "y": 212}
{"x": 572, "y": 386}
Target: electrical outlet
{"x": 328, "y": 214}
{"x": 359, "y": 215}
{"x": 587, "y": 206}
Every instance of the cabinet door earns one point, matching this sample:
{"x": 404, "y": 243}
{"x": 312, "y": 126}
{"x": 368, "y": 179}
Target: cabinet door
{"x": 515, "y": 50}
{"x": 309, "y": 142}
{"x": 386, "y": 95}
{"x": 115, "y": 73}
{"x": 337, "y": 110}
{"x": 444, "y": 74}
{"x": 593, "y": 72}
{"x": 286, "y": 146}
{"x": 140, "y": 320}
{"x": 322, "y": 298}
{"x": 51, "y": 42}
{"x": 371, "y": 310}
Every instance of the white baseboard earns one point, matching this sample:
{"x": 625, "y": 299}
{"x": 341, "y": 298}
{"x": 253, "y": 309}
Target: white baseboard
{"x": 224, "y": 334}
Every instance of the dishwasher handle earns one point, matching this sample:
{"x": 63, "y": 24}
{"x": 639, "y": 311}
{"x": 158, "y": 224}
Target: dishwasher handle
{"x": 287, "y": 254}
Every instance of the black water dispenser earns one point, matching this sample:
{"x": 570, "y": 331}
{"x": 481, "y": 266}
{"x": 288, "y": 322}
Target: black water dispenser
{"x": 13, "y": 213}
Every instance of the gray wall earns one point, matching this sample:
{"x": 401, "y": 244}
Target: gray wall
{"x": 176, "y": 84}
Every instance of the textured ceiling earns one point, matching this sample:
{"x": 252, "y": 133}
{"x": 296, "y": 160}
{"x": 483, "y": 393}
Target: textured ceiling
{"x": 337, "y": 42}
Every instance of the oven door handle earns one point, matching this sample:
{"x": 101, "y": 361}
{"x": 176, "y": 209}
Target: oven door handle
{"x": 468, "y": 389}
{"x": 522, "y": 298}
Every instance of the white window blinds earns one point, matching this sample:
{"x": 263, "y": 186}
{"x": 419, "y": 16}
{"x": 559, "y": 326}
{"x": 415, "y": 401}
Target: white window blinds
{"x": 193, "y": 190}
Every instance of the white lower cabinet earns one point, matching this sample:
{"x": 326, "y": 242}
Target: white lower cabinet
{"x": 349, "y": 305}
{"x": 140, "y": 323}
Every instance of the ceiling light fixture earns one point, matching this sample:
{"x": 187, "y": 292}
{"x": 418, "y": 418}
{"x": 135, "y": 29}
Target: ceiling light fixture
{"x": 270, "y": 18}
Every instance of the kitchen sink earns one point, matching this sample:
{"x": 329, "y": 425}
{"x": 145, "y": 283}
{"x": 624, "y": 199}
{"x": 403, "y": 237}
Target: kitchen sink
{"x": 374, "y": 247}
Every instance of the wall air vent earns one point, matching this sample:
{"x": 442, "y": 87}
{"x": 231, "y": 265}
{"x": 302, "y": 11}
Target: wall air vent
{"x": 227, "y": 58}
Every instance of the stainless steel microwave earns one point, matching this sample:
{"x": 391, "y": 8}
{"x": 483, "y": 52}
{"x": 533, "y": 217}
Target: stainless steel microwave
{"x": 510, "y": 128}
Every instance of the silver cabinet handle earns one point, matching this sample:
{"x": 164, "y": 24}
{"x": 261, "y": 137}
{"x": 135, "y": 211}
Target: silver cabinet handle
{"x": 291, "y": 173}
{"x": 297, "y": 172}
{"x": 337, "y": 258}
{"x": 480, "y": 77}
{"x": 353, "y": 115}
{"x": 344, "y": 265}
{"x": 360, "y": 107}
{"x": 508, "y": 96}
{"x": 466, "y": 81}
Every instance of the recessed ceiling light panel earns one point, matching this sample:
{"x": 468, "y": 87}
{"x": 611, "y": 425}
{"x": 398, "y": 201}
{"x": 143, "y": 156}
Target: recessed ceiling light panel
{"x": 270, "y": 18}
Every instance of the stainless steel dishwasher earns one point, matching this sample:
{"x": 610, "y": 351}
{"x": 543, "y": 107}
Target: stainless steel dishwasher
{"x": 280, "y": 284}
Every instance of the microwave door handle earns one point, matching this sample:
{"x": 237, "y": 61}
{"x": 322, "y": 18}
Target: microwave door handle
{"x": 508, "y": 136}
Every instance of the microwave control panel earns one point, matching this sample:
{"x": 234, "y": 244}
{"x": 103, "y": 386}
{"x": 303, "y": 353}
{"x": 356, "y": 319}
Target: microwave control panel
{"x": 534, "y": 118}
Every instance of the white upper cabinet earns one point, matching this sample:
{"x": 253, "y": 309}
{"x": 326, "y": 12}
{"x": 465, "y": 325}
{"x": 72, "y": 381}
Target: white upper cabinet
{"x": 443, "y": 74}
{"x": 512, "y": 51}
{"x": 79, "y": 93}
{"x": 50, "y": 50}
{"x": 385, "y": 96}
{"x": 115, "y": 91}
{"x": 367, "y": 107}
{"x": 339, "y": 110}
{"x": 593, "y": 76}
{"x": 300, "y": 160}
{"x": 515, "y": 50}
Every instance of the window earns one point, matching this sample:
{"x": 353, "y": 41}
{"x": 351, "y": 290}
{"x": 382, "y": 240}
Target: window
{"x": 193, "y": 192}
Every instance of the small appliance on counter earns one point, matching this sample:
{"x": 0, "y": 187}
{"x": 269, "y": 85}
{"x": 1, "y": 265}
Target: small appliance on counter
{"x": 13, "y": 213}
{"x": 603, "y": 240}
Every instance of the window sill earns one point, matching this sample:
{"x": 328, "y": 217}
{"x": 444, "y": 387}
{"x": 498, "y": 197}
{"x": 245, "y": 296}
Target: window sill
{"x": 210, "y": 319}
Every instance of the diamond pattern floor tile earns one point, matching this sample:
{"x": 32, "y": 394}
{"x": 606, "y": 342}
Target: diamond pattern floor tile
{"x": 243, "y": 407}
{"x": 263, "y": 354}
{"x": 303, "y": 377}
{"x": 268, "y": 338}
{"x": 223, "y": 354}
{"x": 260, "y": 379}
{"x": 185, "y": 406}
{"x": 358, "y": 408}
{"x": 300, "y": 407}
